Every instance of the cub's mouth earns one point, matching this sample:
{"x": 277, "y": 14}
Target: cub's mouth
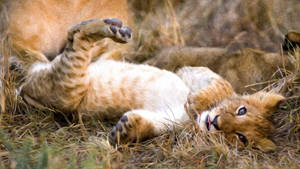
{"x": 211, "y": 124}
{"x": 207, "y": 122}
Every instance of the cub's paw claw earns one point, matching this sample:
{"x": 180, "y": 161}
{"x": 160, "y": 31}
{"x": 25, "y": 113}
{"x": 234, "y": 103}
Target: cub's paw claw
{"x": 119, "y": 133}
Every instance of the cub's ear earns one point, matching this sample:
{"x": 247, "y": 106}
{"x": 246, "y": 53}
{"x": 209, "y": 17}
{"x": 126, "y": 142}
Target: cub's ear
{"x": 265, "y": 145}
{"x": 269, "y": 100}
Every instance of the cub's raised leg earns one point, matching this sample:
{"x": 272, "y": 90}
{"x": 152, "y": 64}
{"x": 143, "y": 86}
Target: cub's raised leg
{"x": 63, "y": 82}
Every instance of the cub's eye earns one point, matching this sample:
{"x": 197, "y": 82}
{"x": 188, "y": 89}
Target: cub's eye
{"x": 242, "y": 138}
{"x": 241, "y": 110}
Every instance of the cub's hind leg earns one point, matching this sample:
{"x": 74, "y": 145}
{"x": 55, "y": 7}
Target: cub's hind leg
{"x": 63, "y": 83}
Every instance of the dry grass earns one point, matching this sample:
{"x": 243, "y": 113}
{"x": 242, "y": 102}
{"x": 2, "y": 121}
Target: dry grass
{"x": 33, "y": 139}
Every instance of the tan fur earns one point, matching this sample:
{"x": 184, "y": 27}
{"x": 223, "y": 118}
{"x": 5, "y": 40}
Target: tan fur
{"x": 241, "y": 68}
{"x": 216, "y": 98}
{"x": 38, "y": 29}
{"x": 110, "y": 88}
{"x": 293, "y": 36}
{"x": 291, "y": 42}
{"x": 254, "y": 125}
{"x": 216, "y": 92}
{"x": 141, "y": 129}
{"x": 78, "y": 79}
{"x": 68, "y": 75}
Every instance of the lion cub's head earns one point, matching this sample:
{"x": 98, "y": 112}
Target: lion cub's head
{"x": 243, "y": 119}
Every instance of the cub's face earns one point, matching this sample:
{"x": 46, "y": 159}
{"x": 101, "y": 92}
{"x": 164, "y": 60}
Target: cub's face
{"x": 243, "y": 119}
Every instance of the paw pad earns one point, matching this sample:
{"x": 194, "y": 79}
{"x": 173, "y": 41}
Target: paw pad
{"x": 125, "y": 32}
{"x": 113, "y": 29}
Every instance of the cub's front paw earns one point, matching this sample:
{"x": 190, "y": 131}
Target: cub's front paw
{"x": 131, "y": 128}
{"x": 190, "y": 106}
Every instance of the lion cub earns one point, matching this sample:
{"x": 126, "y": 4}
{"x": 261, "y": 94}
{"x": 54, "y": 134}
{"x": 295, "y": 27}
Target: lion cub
{"x": 153, "y": 99}
{"x": 241, "y": 67}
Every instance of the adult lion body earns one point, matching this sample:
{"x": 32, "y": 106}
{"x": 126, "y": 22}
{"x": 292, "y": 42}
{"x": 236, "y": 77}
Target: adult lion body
{"x": 39, "y": 28}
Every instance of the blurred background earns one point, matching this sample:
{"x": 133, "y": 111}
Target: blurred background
{"x": 259, "y": 24}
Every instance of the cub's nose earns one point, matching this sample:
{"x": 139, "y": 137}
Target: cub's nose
{"x": 215, "y": 122}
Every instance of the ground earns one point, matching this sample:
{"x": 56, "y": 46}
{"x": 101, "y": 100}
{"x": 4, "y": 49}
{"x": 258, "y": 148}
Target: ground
{"x": 33, "y": 139}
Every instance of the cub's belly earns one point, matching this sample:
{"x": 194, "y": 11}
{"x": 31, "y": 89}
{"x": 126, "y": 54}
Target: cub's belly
{"x": 119, "y": 87}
